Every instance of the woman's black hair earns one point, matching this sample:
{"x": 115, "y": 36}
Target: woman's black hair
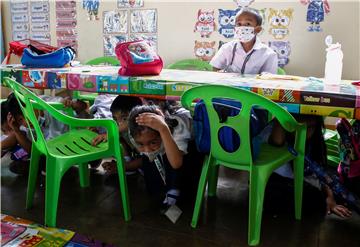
{"x": 136, "y": 129}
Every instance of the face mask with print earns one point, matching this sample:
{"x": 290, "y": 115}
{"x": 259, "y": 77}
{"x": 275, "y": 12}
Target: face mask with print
{"x": 244, "y": 33}
{"x": 152, "y": 155}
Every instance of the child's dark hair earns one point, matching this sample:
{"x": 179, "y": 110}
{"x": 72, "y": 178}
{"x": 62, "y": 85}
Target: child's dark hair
{"x": 4, "y": 112}
{"x": 13, "y": 105}
{"x": 253, "y": 12}
{"x": 124, "y": 103}
{"x": 136, "y": 129}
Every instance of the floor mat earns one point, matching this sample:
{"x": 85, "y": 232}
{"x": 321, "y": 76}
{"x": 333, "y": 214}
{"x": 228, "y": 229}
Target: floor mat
{"x": 23, "y": 233}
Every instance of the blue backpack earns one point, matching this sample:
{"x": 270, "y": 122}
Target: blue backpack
{"x": 228, "y": 138}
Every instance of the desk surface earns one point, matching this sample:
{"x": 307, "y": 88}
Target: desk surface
{"x": 301, "y": 95}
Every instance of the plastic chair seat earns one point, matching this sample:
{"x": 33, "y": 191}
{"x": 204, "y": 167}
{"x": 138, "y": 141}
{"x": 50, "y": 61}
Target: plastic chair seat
{"x": 75, "y": 143}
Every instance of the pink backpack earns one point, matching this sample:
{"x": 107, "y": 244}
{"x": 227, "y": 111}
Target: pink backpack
{"x": 138, "y": 58}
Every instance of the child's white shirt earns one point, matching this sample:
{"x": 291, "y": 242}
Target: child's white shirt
{"x": 181, "y": 133}
{"x": 101, "y": 107}
{"x": 263, "y": 59}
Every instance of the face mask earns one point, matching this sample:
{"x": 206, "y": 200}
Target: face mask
{"x": 152, "y": 155}
{"x": 244, "y": 33}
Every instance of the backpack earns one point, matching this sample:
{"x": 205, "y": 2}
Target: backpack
{"x": 138, "y": 58}
{"x": 228, "y": 138}
{"x": 349, "y": 149}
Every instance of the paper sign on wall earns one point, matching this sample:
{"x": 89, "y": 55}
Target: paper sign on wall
{"x": 110, "y": 42}
{"x": 66, "y": 23}
{"x": 283, "y": 50}
{"x": 279, "y": 21}
{"x": 115, "y": 21}
{"x": 130, "y": 3}
{"x": 143, "y": 21}
{"x": 315, "y": 13}
{"x": 204, "y": 50}
{"x": 205, "y": 23}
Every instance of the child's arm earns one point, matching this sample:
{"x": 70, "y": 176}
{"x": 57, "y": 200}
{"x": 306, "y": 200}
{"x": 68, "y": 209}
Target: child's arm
{"x": 133, "y": 164}
{"x": 8, "y": 142}
{"x": 99, "y": 139}
{"x": 20, "y": 136}
{"x": 333, "y": 207}
{"x": 157, "y": 122}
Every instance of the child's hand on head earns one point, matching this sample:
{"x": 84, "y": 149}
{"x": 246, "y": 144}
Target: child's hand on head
{"x": 152, "y": 120}
{"x": 67, "y": 102}
{"x": 99, "y": 139}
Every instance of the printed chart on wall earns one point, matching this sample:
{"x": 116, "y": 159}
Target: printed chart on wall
{"x": 30, "y": 19}
{"x": 129, "y": 23}
{"x": 66, "y": 23}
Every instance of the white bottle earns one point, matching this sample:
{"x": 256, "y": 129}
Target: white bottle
{"x": 334, "y": 64}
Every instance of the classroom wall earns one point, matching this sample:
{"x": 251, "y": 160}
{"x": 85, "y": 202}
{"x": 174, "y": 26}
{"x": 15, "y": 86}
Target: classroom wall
{"x": 176, "y": 21}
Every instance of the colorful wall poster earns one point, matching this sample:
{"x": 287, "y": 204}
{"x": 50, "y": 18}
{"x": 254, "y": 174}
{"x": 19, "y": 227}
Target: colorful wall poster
{"x": 143, "y": 21}
{"x": 279, "y": 21}
{"x": 110, "y": 42}
{"x": 130, "y": 3}
{"x": 204, "y": 50}
{"x": 115, "y": 21}
{"x": 66, "y": 23}
{"x": 92, "y": 8}
{"x": 282, "y": 49}
{"x": 316, "y": 10}
{"x": 205, "y": 23}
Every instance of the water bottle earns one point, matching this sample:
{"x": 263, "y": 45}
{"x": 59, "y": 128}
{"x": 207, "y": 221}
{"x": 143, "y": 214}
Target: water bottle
{"x": 333, "y": 65}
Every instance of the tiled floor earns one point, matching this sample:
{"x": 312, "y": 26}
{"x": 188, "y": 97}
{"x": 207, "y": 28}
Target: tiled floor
{"x": 96, "y": 211}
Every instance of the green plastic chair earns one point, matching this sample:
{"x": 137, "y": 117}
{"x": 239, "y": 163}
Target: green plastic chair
{"x": 269, "y": 159}
{"x": 281, "y": 71}
{"x": 90, "y": 97}
{"x": 191, "y": 64}
{"x": 332, "y": 147}
{"x": 67, "y": 150}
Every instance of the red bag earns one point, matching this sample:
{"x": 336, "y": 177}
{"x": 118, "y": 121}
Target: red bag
{"x": 138, "y": 58}
{"x": 17, "y": 48}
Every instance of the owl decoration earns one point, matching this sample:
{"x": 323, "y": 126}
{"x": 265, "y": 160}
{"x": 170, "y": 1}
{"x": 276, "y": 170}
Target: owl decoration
{"x": 279, "y": 21}
{"x": 243, "y": 3}
{"x": 283, "y": 50}
{"x": 204, "y": 50}
{"x": 205, "y": 24}
{"x": 227, "y": 22}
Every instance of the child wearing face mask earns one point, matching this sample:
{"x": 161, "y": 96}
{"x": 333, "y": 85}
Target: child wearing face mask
{"x": 246, "y": 54}
{"x": 163, "y": 143}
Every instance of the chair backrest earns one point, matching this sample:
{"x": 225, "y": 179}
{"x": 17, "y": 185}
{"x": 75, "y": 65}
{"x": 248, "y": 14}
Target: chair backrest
{"x": 239, "y": 123}
{"x": 103, "y": 60}
{"x": 26, "y": 98}
{"x": 191, "y": 64}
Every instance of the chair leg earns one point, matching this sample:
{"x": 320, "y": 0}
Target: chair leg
{"x": 213, "y": 179}
{"x": 298, "y": 184}
{"x": 52, "y": 189}
{"x": 256, "y": 199}
{"x": 33, "y": 173}
{"x": 201, "y": 191}
{"x": 84, "y": 175}
{"x": 123, "y": 189}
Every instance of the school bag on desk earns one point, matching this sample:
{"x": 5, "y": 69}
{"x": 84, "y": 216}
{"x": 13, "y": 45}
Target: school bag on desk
{"x": 138, "y": 58}
{"x": 56, "y": 59}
